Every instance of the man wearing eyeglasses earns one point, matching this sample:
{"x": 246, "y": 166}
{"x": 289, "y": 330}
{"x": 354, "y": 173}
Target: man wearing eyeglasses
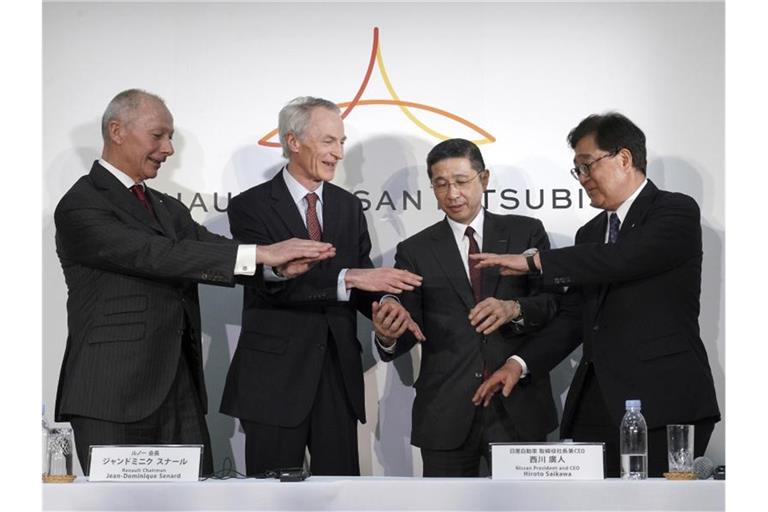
{"x": 473, "y": 321}
{"x": 634, "y": 279}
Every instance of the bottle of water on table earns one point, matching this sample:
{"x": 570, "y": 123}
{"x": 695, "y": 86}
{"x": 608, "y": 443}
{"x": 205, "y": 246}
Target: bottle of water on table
{"x": 633, "y": 443}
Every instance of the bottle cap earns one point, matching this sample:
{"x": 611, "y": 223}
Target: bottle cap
{"x": 632, "y": 404}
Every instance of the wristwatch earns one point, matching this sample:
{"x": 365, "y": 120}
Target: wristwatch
{"x": 529, "y": 254}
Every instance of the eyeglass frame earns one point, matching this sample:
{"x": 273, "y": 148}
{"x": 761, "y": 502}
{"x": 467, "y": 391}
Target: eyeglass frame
{"x": 577, "y": 171}
{"x": 444, "y": 187}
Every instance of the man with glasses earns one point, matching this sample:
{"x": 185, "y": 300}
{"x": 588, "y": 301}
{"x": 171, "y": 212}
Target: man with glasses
{"x": 634, "y": 279}
{"x": 473, "y": 321}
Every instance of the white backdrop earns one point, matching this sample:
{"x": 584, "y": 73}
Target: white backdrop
{"x": 524, "y": 73}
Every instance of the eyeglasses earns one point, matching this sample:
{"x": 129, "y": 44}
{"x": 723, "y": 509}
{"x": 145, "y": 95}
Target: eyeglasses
{"x": 441, "y": 186}
{"x": 586, "y": 169}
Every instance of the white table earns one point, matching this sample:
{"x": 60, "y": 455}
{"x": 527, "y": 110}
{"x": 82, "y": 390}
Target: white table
{"x": 388, "y": 493}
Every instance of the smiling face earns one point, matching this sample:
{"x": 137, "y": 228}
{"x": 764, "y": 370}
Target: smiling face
{"x": 139, "y": 144}
{"x": 612, "y": 179}
{"x": 459, "y": 188}
{"x": 313, "y": 154}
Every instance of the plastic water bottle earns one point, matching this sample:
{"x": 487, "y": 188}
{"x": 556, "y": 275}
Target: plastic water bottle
{"x": 633, "y": 445}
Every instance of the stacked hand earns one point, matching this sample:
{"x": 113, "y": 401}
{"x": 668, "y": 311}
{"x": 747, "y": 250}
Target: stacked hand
{"x": 294, "y": 256}
{"x": 510, "y": 264}
{"x": 391, "y": 320}
{"x": 491, "y": 313}
{"x": 388, "y": 280}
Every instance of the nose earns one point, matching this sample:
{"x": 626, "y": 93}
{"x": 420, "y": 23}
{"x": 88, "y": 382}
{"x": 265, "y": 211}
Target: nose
{"x": 338, "y": 151}
{"x": 453, "y": 189}
{"x": 167, "y": 147}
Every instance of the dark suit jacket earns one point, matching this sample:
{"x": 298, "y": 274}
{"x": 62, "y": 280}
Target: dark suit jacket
{"x": 635, "y": 306}
{"x": 286, "y": 325}
{"x": 132, "y": 283}
{"x": 454, "y": 354}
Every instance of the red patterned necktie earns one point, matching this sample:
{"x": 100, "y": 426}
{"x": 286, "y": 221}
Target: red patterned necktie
{"x": 313, "y": 224}
{"x": 138, "y": 191}
{"x": 474, "y": 272}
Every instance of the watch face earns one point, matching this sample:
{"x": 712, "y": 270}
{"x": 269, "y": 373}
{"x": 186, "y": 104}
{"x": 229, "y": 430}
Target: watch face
{"x": 530, "y": 252}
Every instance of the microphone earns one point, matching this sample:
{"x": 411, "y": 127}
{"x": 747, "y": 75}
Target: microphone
{"x": 703, "y": 467}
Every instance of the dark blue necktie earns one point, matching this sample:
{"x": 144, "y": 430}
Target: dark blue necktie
{"x": 613, "y": 228}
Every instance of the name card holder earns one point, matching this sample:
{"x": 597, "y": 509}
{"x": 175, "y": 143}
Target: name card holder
{"x": 547, "y": 461}
{"x": 145, "y": 463}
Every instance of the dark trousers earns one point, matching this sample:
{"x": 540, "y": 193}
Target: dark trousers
{"x": 490, "y": 425}
{"x": 329, "y": 431}
{"x": 178, "y": 420}
{"x": 592, "y": 423}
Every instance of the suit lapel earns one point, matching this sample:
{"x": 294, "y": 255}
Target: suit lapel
{"x": 286, "y": 209}
{"x": 122, "y": 198}
{"x": 636, "y": 213}
{"x": 331, "y": 215}
{"x": 495, "y": 240}
{"x": 596, "y": 234}
{"x": 161, "y": 211}
{"x": 448, "y": 257}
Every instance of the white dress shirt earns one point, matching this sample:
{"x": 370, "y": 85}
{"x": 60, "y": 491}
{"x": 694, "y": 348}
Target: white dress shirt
{"x": 298, "y": 194}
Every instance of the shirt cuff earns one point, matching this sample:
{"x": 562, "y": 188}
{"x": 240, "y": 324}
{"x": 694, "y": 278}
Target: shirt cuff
{"x": 389, "y": 350}
{"x": 270, "y": 275}
{"x": 342, "y": 294}
{"x": 522, "y": 363}
{"x": 245, "y": 263}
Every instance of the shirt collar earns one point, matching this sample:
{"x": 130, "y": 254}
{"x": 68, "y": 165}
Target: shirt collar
{"x": 297, "y": 190}
{"x": 123, "y": 178}
{"x": 623, "y": 209}
{"x": 459, "y": 229}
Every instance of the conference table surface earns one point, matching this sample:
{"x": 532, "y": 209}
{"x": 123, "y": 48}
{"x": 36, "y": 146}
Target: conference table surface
{"x": 388, "y": 493}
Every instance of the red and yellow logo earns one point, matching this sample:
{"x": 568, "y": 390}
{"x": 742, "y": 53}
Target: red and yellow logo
{"x": 394, "y": 100}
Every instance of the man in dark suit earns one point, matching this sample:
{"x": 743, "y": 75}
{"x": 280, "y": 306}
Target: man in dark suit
{"x": 474, "y": 322}
{"x": 634, "y": 279}
{"x": 296, "y": 378}
{"x": 132, "y": 258}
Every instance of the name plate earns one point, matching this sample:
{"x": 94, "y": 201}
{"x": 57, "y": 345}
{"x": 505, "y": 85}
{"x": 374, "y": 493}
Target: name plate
{"x": 547, "y": 461}
{"x": 150, "y": 463}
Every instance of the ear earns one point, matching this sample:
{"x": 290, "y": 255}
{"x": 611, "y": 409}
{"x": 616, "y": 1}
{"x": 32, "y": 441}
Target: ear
{"x": 115, "y": 132}
{"x": 625, "y": 159}
{"x": 485, "y": 178}
{"x": 293, "y": 142}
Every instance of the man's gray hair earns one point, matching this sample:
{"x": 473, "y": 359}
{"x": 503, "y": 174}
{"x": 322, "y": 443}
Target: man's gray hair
{"x": 123, "y": 106}
{"x": 294, "y": 117}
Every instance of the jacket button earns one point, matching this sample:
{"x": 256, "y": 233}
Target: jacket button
{"x": 478, "y": 375}
{"x": 595, "y": 328}
{"x": 204, "y": 275}
{"x": 485, "y": 339}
